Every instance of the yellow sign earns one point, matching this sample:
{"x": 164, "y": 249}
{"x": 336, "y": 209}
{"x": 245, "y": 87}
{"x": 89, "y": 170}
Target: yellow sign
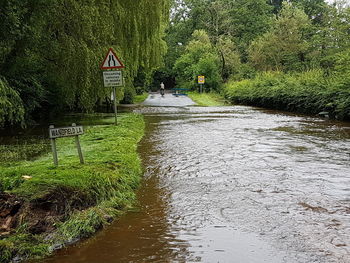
{"x": 201, "y": 79}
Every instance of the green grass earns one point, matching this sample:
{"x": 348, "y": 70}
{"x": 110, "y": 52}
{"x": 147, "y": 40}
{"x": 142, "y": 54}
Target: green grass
{"x": 207, "y": 99}
{"x": 104, "y": 186}
{"x": 140, "y": 98}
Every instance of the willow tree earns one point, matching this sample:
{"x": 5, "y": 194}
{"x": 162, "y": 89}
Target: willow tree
{"x": 11, "y": 109}
{"x": 50, "y": 50}
{"x": 83, "y": 32}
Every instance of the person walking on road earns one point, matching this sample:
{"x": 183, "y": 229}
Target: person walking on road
{"x": 162, "y": 88}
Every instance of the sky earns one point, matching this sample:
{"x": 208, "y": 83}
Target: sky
{"x": 331, "y": 1}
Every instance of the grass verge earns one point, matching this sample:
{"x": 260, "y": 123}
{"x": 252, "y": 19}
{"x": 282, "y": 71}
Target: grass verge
{"x": 140, "y": 98}
{"x": 207, "y": 99}
{"x": 43, "y": 207}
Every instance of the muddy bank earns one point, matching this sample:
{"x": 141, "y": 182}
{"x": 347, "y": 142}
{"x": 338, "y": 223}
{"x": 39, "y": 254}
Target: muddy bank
{"x": 9, "y": 213}
{"x": 39, "y": 215}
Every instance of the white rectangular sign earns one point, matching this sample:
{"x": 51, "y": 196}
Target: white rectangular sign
{"x": 65, "y": 132}
{"x": 112, "y": 78}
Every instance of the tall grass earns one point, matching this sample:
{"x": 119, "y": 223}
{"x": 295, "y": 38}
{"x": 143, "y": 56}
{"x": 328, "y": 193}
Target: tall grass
{"x": 308, "y": 92}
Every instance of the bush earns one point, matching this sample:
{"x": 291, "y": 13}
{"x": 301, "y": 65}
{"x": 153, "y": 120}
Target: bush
{"x": 307, "y": 92}
{"x": 200, "y": 58}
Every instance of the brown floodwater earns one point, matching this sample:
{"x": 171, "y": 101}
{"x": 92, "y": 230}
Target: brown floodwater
{"x": 233, "y": 184}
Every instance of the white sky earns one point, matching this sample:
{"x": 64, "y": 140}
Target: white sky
{"x": 331, "y": 1}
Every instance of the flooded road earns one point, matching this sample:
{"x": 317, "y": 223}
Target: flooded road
{"x": 233, "y": 184}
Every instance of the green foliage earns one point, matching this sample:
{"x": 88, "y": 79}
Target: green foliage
{"x": 50, "y": 51}
{"x": 11, "y": 105}
{"x": 307, "y": 92}
{"x": 247, "y": 20}
{"x": 230, "y": 25}
{"x": 6, "y": 248}
{"x": 200, "y": 58}
{"x": 231, "y": 65}
{"x": 284, "y": 46}
{"x": 315, "y": 9}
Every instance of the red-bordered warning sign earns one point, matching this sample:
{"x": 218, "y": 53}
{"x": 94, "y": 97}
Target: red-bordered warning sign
{"x": 111, "y": 61}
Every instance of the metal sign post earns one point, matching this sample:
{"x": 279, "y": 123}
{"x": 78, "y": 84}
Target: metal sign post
{"x": 115, "y": 105}
{"x": 55, "y": 133}
{"x": 113, "y": 78}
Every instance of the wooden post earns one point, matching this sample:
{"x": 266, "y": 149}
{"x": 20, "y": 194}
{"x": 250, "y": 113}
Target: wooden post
{"x": 78, "y": 146}
{"x": 53, "y": 148}
{"x": 115, "y": 105}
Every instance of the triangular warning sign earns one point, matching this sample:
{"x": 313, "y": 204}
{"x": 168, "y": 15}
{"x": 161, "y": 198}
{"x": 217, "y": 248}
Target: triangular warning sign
{"x": 111, "y": 61}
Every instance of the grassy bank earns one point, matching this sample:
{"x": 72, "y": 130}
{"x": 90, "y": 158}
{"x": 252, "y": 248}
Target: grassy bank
{"x": 140, "y": 98}
{"x": 309, "y": 92}
{"x": 43, "y": 207}
{"x": 207, "y": 99}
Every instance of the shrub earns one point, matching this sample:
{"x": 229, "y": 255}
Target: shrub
{"x": 307, "y": 92}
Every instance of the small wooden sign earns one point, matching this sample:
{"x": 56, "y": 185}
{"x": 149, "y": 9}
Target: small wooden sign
{"x": 55, "y": 133}
{"x": 65, "y": 131}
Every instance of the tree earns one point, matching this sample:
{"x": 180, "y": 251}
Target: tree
{"x": 284, "y": 47}
{"x": 50, "y": 51}
{"x": 11, "y": 105}
{"x": 229, "y": 57}
{"x": 330, "y": 37}
{"x": 248, "y": 20}
{"x": 200, "y": 58}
